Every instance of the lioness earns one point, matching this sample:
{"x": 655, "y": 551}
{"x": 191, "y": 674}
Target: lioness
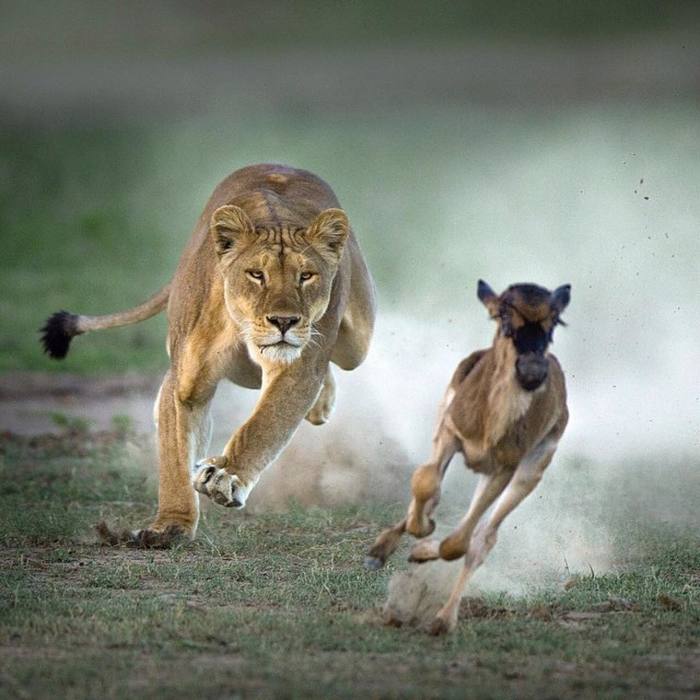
{"x": 270, "y": 289}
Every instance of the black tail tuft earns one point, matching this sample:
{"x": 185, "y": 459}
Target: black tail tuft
{"x": 58, "y": 332}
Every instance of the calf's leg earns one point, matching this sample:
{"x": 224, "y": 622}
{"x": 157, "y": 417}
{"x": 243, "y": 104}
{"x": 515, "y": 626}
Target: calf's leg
{"x": 455, "y": 545}
{"x": 525, "y": 478}
{"x": 425, "y": 486}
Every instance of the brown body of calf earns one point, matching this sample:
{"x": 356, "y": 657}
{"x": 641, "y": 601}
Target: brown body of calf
{"x": 505, "y": 411}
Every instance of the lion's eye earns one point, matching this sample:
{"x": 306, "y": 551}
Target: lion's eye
{"x": 255, "y": 274}
{"x": 305, "y": 276}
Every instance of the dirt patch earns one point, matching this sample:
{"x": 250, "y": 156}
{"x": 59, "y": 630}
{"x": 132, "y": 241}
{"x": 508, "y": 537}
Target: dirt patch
{"x": 34, "y": 403}
{"x": 324, "y": 466}
{"x": 475, "y": 608}
{"x": 22, "y": 386}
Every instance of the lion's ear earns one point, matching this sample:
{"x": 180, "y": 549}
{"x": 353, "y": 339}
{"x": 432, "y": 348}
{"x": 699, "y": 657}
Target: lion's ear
{"x": 229, "y": 227}
{"x": 329, "y": 232}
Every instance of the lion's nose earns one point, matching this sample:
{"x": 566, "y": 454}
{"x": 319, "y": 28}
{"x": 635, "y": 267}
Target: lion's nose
{"x": 284, "y": 323}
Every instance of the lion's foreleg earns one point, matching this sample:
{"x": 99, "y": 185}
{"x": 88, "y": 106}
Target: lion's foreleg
{"x": 184, "y": 431}
{"x": 289, "y": 392}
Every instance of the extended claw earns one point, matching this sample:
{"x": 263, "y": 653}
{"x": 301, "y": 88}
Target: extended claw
{"x": 222, "y": 487}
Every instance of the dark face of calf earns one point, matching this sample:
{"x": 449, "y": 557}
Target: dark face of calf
{"x": 531, "y": 367}
{"x": 527, "y": 314}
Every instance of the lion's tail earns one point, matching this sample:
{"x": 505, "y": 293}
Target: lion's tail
{"x": 63, "y": 326}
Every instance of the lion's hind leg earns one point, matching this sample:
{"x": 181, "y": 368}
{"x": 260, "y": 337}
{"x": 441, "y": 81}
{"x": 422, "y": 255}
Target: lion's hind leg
{"x": 357, "y": 325}
{"x": 321, "y": 411}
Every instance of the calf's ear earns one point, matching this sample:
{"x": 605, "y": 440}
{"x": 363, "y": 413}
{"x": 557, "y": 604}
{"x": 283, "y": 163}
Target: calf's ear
{"x": 560, "y": 298}
{"x": 487, "y": 297}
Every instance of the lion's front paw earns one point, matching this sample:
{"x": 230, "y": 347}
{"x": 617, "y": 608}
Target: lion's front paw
{"x": 225, "y": 489}
{"x": 319, "y": 415}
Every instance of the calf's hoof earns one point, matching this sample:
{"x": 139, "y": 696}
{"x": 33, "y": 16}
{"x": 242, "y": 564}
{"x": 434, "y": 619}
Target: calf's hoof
{"x": 427, "y": 550}
{"x": 418, "y": 530}
{"x": 373, "y": 563}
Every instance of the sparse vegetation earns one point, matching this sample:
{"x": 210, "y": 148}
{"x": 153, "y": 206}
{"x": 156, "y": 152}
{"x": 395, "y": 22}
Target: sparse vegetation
{"x": 123, "y": 424}
{"x": 74, "y": 424}
{"x": 445, "y": 181}
{"x": 279, "y": 604}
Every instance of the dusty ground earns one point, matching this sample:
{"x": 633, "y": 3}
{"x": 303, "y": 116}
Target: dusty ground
{"x": 33, "y": 402}
{"x": 477, "y": 142}
{"x": 321, "y": 466}
{"x": 277, "y": 602}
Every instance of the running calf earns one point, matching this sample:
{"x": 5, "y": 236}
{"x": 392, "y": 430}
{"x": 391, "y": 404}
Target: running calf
{"x": 505, "y": 411}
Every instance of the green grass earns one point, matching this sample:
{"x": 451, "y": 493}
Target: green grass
{"x": 278, "y": 604}
{"x": 94, "y": 218}
{"x": 65, "y": 214}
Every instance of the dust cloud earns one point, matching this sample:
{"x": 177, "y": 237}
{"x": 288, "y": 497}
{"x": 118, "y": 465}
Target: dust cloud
{"x": 629, "y": 453}
{"x": 624, "y": 457}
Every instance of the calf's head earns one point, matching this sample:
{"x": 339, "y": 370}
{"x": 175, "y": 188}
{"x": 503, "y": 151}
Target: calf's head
{"x": 527, "y": 315}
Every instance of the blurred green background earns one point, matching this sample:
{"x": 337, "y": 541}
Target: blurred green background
{"x": 549, "y": 142}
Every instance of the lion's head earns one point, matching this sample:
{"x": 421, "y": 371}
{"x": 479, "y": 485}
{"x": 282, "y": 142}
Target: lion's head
{"x": 277, "y": 279}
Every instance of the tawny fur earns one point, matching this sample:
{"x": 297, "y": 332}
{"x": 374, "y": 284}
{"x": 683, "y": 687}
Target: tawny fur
{"x": 506, "y": 434}
{"x": 283, "y": 224}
